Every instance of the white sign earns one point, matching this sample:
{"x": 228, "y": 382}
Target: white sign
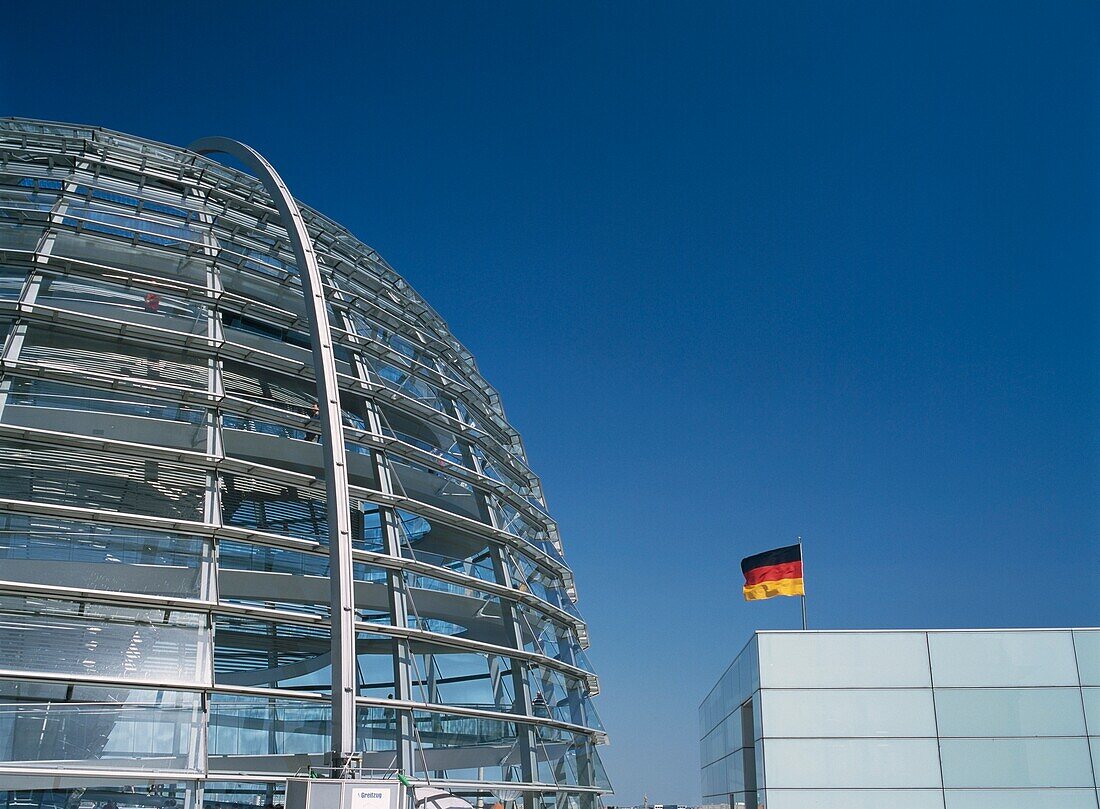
{"x": 373, "y": 796}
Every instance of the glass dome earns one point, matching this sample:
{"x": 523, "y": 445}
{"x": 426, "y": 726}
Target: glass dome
{"x": 164, "y": 561}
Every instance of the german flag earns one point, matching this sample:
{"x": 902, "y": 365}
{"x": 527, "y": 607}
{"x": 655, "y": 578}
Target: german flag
{"x": 773, "y": 573}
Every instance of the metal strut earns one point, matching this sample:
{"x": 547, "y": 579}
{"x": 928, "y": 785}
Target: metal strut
{"x": 342, "y": 608}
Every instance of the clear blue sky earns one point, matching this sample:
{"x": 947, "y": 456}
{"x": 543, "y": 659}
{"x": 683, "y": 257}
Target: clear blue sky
{"x": 741, "y": 271}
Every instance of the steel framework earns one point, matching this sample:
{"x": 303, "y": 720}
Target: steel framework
{"x": 197, "y": 374}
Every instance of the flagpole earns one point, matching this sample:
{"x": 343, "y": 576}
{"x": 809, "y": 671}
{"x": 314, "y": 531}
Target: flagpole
{"x": 802, "y": 556}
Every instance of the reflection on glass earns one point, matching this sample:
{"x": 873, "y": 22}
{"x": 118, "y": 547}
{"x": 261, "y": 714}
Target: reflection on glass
{"x": 96, "y": 556}
{"x": 844, "y": 660}
{"x": 1086, "y": 644}
{"x": 871, "y": 763}
{"x": 434, "y": 487}
{"x": 1016, "y": 763}
{"x": 848, "y": 712}
{"x": 142, "y": 305}
{"x": 1009, "y": 712}
{"x": 1021, "y": 799}
{"x": 1002, "y": 658}
{"x": 116, "y": 483}
{"x": 157, "y": 645}
{"x": 118, "y": 415}
{"x": 273, "y": 507}
{"x": 278, "y": 729}
{"x": 83, "y": 792}
{"x": 86, "y": 727}
{"x": 853, "y": 799}
{"x": 250, "y": 652}
{"x": 111, "y": 358}
{"x": 565, "y": 698}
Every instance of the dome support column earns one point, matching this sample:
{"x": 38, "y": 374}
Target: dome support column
{"x": 342, "y": 609}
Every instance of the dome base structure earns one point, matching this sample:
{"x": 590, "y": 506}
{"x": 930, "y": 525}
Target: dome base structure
{"x": 224, "y": 420}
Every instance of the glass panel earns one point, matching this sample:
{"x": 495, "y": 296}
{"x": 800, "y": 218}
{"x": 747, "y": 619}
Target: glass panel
{"x": 264, "y": 576}
{"x": 275, "y": 508}
{"x": 20, "y": 237}
{"x": 1021, "y": 799}
{"x": 289, "y": 448}
{"x": 21, "y": 201}
{"x": 84, "y": 727}
{"x": 1009, "y": 712}
{"x": 126, "y": 643}
{"x": 568, "y": 759}
{"x": 370, "y": 531}
{"x": 502, "y": 474}
{"x": 71, "y": 477}
{"x": 528, "y": 577}
{"x": 723, "y": 739}
{"x": 734, "y": 767}
{"x": 254, "y": 255}
{"x": 1091, "y": 699}
{"x": 11, "y": 282}
{"x": 546, "y": 636}
{"x": 720, "y": 701}
{"x": 358, "y": 287}
{"x": 420, "y": 434}
{"x": 375, "y": 656}
{"x": 1016, "y": 763}
{"x": 843, "y": 659}
{"x": 510, "y": 520}
{"x": 251, "y": 424}
{"x": 106, "y": 356}
{"x": 449, "y": 676}
{"x": 1002, "y": 658}
{"x": 143, "y": 259}
{"x": 124, "y": 304}
{"x": 854, "y": 799}
{"x": 243, "y": 794}
{"x": 489, "y": 745}
{"x": 118, "y": 415}
{"x": 810, "y": 714}
{"x": 250, "y": 287}
{"x": 406, "y": 384}
{"x": 478, "y": 611}
{"x": 98, "y": 217}
{"x": 869, "y": 763}
{"x": 372, "y": 594}
{"x": 241, "y": 328}
{"x": 250, "y": 652}
{"x": 280, "y": 578}
{"x": 443, "y": 546}
{"x": 435, "y": 487}
{"x": 556, "y": 695}
{"x": 233, "y": 555}
{"x": 275, "y": 733}
{"x": 270, "y": 388}
{"x": 82, "y": 792}
{"x": 715, "y": 781}
{"x": 1087, "y": 645}
{"x": 94, "y": 556}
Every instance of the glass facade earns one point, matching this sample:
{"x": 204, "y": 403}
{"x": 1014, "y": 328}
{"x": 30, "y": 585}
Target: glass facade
{"x": 164, "y": 592}
{"x": 997, "y": 719}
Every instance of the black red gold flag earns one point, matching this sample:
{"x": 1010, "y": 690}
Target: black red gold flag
{"x": 773, "y": 573}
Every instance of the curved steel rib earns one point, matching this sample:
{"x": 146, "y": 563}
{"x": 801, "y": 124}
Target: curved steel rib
{"x": 336, "y": 478}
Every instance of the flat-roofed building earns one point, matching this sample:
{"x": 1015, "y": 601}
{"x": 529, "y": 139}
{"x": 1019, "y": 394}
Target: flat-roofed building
{"x": 936, "y": 719}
